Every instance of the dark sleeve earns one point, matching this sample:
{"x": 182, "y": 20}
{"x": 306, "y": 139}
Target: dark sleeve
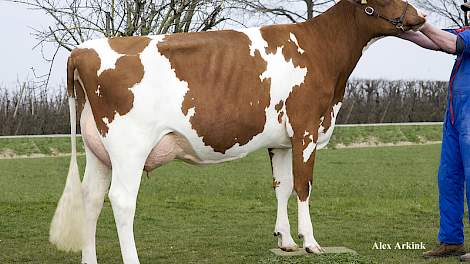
{"x": 459, "y": 46}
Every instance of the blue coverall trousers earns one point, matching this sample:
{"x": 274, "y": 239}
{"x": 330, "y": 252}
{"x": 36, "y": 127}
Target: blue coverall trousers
{"x": 454, "y": 170}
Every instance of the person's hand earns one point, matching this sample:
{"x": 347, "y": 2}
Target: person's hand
{"x": 425, "y": 27}
{"x": 420, "y": 38}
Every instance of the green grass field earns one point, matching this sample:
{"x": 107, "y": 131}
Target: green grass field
{"x": 226, "y": 213}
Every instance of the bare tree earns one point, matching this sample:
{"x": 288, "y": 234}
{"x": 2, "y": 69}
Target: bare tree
{"x": 76, "y": 21}
{"x": 449, "y": 10}
{"x": 287, "y": 10}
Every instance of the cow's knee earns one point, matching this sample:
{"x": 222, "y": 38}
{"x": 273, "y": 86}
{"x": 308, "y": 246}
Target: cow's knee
{"x": 122, "y": 201}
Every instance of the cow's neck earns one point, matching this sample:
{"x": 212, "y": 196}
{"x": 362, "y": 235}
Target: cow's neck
{"x": 348, "y": 31}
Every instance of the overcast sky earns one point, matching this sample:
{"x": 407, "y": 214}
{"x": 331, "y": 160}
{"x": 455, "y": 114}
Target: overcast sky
{"x": 388, "y": 58}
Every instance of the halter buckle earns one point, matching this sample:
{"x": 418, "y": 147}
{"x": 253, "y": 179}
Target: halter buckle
{"x": 369, "y": 10}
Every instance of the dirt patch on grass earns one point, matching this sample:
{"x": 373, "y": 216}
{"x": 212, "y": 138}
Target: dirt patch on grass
{"x": 7, "y": 153}
{"x": 55, "y": 152}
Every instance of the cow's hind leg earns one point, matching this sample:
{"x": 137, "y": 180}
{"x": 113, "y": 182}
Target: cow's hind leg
{"x": 303, "y": 169}
{"x": 95, "y": 185}
{"x": 283, "y": 183}
{"x": 128, "y": 161}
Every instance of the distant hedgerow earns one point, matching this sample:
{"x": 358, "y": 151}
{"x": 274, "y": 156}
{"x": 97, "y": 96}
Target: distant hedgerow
{"x": 31, "y": 110}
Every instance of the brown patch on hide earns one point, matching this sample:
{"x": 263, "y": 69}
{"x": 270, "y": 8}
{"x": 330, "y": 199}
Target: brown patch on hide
{"x": 225, "y": 89}
{"x": 279, "y": 106}
{"x": 276, "y": 184}
{"x": 279, "y": 117}
{"x": 271, "y": 155}
{"x": 129, "y": 45}
{"x": 109, "y": 93}
{"x": 327, "y": 118}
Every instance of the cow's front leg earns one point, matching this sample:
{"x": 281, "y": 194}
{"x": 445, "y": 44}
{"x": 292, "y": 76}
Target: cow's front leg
{"x": 303, "y": 160}
{"x": 281, "y": 161}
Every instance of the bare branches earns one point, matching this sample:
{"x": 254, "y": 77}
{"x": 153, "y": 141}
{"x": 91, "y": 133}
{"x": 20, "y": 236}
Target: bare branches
{"x": 448, "y": 10}
{"x": 75, "y": 21}
{"x": 78, "y": 20}
{"x": 291, "y": 10}
{"x": 378, "y": 101}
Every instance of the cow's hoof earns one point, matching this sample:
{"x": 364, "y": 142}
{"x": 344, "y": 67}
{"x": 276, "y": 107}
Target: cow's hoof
{"x": 314, "y": 249}
{"x": 285, "y": 242}
{"x": 290, "y": 248}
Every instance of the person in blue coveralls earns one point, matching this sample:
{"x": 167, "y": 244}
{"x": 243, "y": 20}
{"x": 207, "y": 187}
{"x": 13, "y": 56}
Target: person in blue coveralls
{"x": 454, "y": 167}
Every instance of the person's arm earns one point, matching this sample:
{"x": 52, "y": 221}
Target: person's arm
{"x": 446, "y": 41}
{"x": 435, "y": 39}
{"x": 419, "y": 39}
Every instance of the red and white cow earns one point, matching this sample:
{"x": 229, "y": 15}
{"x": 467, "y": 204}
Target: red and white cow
{"x": 211, "y": 97}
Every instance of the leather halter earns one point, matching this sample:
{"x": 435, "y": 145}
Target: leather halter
{"x": 370, "y": 11}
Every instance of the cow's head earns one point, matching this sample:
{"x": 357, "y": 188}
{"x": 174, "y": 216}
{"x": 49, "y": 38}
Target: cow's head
{"x": 389, "y": 17}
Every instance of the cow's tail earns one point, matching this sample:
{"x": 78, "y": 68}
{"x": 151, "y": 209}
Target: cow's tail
{"x": 68, "y": 224}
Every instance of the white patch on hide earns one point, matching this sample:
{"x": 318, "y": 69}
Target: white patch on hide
{"x": 289, "y": 129}
{"x": 257, "y": 41}
{"x": 98, "y": 91}
{"x": 324, "y": 137}
{"x": 308, "y": 151}
{"x": 294, "y": 39}
{"x": 191, "y": 112}
{"x": 105, "y": 120}
{"x": 108, "y": 56}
